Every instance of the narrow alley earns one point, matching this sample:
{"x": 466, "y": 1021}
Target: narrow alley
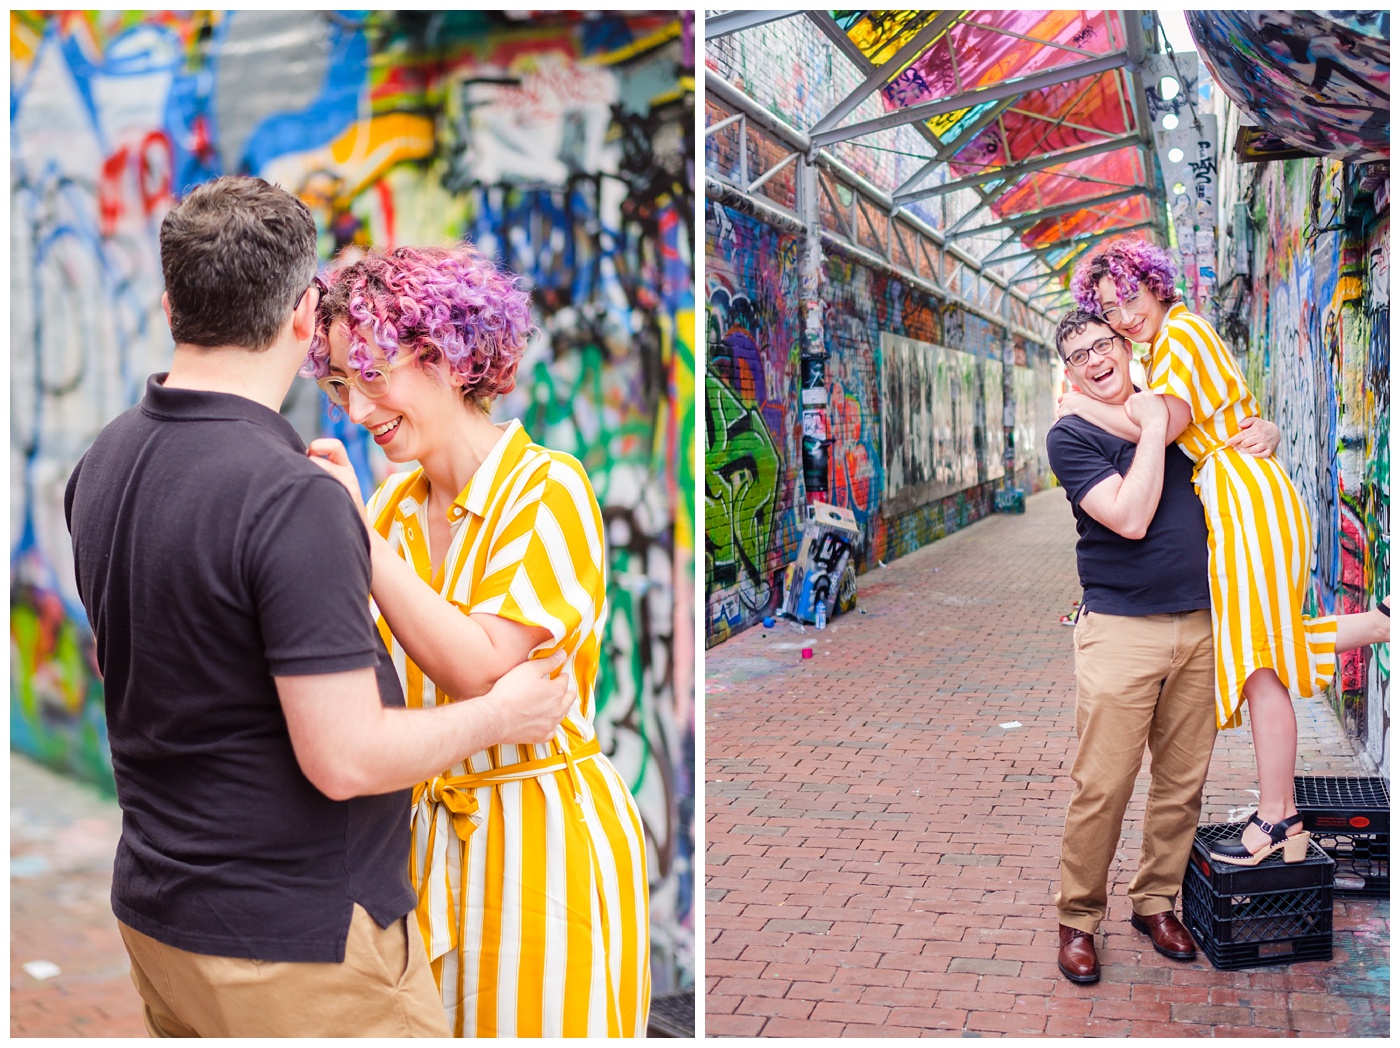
{"x": 883, "y": 823}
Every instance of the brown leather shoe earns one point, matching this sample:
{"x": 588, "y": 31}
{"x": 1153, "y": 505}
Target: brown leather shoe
{"x": 1078, "y": 961}
{"x": 1169, "y": 935}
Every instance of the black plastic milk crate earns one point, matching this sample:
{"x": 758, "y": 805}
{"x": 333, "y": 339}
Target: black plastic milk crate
{"x": 1350, "y": 820}
{"x": 1248, "y": 916}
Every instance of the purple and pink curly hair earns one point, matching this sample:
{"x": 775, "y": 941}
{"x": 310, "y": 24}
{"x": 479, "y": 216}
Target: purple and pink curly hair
{"x": 452, "y": 306}
{"x": 1130, "y": 262}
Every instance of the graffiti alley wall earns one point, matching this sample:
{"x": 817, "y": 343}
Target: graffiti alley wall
{"x": 754, "y": 493}
{"x": 560, "y": 145}
{"x": 1304, "y": 301}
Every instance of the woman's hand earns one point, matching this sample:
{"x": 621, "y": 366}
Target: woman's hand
{"x": 1073, "y": 402}
{"x": 1149, "y": 411}
{"x": 1256, "y": 437}
{"x": 330, "y": 455}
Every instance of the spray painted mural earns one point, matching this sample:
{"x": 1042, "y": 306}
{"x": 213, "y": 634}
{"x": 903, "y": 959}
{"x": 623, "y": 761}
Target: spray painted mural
{"x": 1312, "y": 329}
{"x": 753, "y": 453}
{"x": 561, "y": 145}
{"x": 754, "y": 490}
{"x": 1320, "y": 80}
{"x": 941, "y": 421}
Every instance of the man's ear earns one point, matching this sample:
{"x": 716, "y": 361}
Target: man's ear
{"x": 304, "y": 318}
{"x": 165, "y": 305}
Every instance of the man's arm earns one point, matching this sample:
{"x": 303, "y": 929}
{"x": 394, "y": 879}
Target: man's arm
{"x": 1127, "y": 504}
{"x": 349, "y": 745}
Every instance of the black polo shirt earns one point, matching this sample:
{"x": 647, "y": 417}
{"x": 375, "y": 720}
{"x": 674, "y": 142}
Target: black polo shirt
{"x": 212, "y": 556}
{"x": 1165, "y": 570}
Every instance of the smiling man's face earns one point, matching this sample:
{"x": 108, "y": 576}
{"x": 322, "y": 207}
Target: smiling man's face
{"x": 1104, "y": 375}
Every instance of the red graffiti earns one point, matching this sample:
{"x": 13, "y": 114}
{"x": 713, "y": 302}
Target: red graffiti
{"x": 151, "y": 166}
{"x": 851, "y": 466}
{"x": 157, "y": 172}
{"x": 1351, "y": 597}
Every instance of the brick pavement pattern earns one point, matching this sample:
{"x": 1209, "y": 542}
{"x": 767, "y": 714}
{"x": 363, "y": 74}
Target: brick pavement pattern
{"x": 63, "y": 835}
{"x": 882, "y": 845}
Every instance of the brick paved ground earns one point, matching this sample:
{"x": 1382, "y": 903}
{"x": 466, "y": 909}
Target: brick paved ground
{"x": 63, "y": 835}
{"x": 62, "y": 838}
{"x": 882, "y": 855}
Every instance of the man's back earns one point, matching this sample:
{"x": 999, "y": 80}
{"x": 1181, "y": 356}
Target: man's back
{"x": 212, "y": 556}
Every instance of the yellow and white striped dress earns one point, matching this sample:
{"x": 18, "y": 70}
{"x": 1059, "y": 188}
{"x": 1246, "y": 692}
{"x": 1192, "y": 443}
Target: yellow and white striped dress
{"x": 529, "y": 861}
{"x": 1260, "y": 534}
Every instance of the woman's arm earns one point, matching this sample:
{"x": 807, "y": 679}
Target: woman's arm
{"x": 464, "y": 655}
{"x": 1113, "y": 418}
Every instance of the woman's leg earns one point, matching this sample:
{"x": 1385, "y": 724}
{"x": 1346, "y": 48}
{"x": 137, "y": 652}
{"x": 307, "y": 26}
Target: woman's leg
{"x": 1361, "y": 629}
{"x": 1275, "y": 732}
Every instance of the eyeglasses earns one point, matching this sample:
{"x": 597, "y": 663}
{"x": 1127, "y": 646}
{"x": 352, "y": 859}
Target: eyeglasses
{"x": 1112, "y": 313}
{"x": 1103, "y": 347}
{"x": 321, "y": 292}
{"x": 372, "y": 382}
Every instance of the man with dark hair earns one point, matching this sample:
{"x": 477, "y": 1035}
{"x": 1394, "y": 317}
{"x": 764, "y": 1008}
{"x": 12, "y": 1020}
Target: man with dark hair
{"x": 262, "y": 754}
{"x": 1143, "y": 657}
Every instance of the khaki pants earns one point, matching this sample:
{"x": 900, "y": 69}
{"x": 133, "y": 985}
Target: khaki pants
{"x": 1147, "y": 680}
{"x": 384, "y": 988}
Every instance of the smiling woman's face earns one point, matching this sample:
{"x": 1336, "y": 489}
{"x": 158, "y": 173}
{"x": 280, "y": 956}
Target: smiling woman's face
{"x": 1137, "y": 317}
{"x": 412, "y": 415}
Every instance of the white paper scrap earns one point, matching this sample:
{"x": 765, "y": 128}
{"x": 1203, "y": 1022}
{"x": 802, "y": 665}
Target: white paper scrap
{"x": 1011, "y": 724}
{"x": 42, "y": 969}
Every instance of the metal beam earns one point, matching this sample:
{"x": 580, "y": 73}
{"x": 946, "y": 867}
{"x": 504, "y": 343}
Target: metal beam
{"x": 1088, "y": 241}
{"x": 798, "y": 141}
{"x": 1136, "y": 45}
{"x": 1059, "y": 245}
{"x": 784, "y": 162}
{"x": 990, "y": 259}
{"x": 1014, "y": 172}
{"x": 947, "y": 152}
{"x": 736, "y": 99}
{"x": 717, "y": 26}
{"x": 880, "y": 75}
{"x": 968, "y": 99}
{"x": 720, "y": 125}
{"x": 838, "y": 36}
{"x": 1030, "y": 218}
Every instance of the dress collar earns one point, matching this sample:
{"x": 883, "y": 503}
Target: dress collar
{"x": 476, "y": 496}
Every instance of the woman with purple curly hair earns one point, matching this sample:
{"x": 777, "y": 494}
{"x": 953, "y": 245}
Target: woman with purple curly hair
{"x": 1260, "y": 536}
{"x": 529, "y": 861}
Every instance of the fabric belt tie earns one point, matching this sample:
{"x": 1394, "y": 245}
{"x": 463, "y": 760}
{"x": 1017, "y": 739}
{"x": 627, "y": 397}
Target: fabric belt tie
{"x": 447, "y": 806}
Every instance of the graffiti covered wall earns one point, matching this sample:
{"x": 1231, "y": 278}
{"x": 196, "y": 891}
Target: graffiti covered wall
{"x": 1305, "y": 304}
{"x": 560, "y": 144}
{"x": 754, "y": 495}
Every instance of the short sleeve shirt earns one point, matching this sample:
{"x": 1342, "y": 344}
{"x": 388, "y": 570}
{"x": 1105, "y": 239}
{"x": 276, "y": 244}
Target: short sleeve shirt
{"x": 1166, "y": 570}
{"x": 527, "y": 545}
{"x": 1189, "y": 361}
{"x": 212, "y": 557}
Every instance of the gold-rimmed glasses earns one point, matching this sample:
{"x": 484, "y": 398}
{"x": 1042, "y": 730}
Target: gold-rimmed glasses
{"x": 373, "y": 382}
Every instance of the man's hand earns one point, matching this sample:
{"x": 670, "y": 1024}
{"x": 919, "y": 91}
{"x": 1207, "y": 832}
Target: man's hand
{"x": 1256, "y": 437}
{"x": 529, "y": 703}
{"x": 331, "y": 456}
{"x": 1148, "y": 410}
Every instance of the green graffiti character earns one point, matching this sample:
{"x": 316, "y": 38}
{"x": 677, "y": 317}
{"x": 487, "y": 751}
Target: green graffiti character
{"x": 741, "y": 494}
